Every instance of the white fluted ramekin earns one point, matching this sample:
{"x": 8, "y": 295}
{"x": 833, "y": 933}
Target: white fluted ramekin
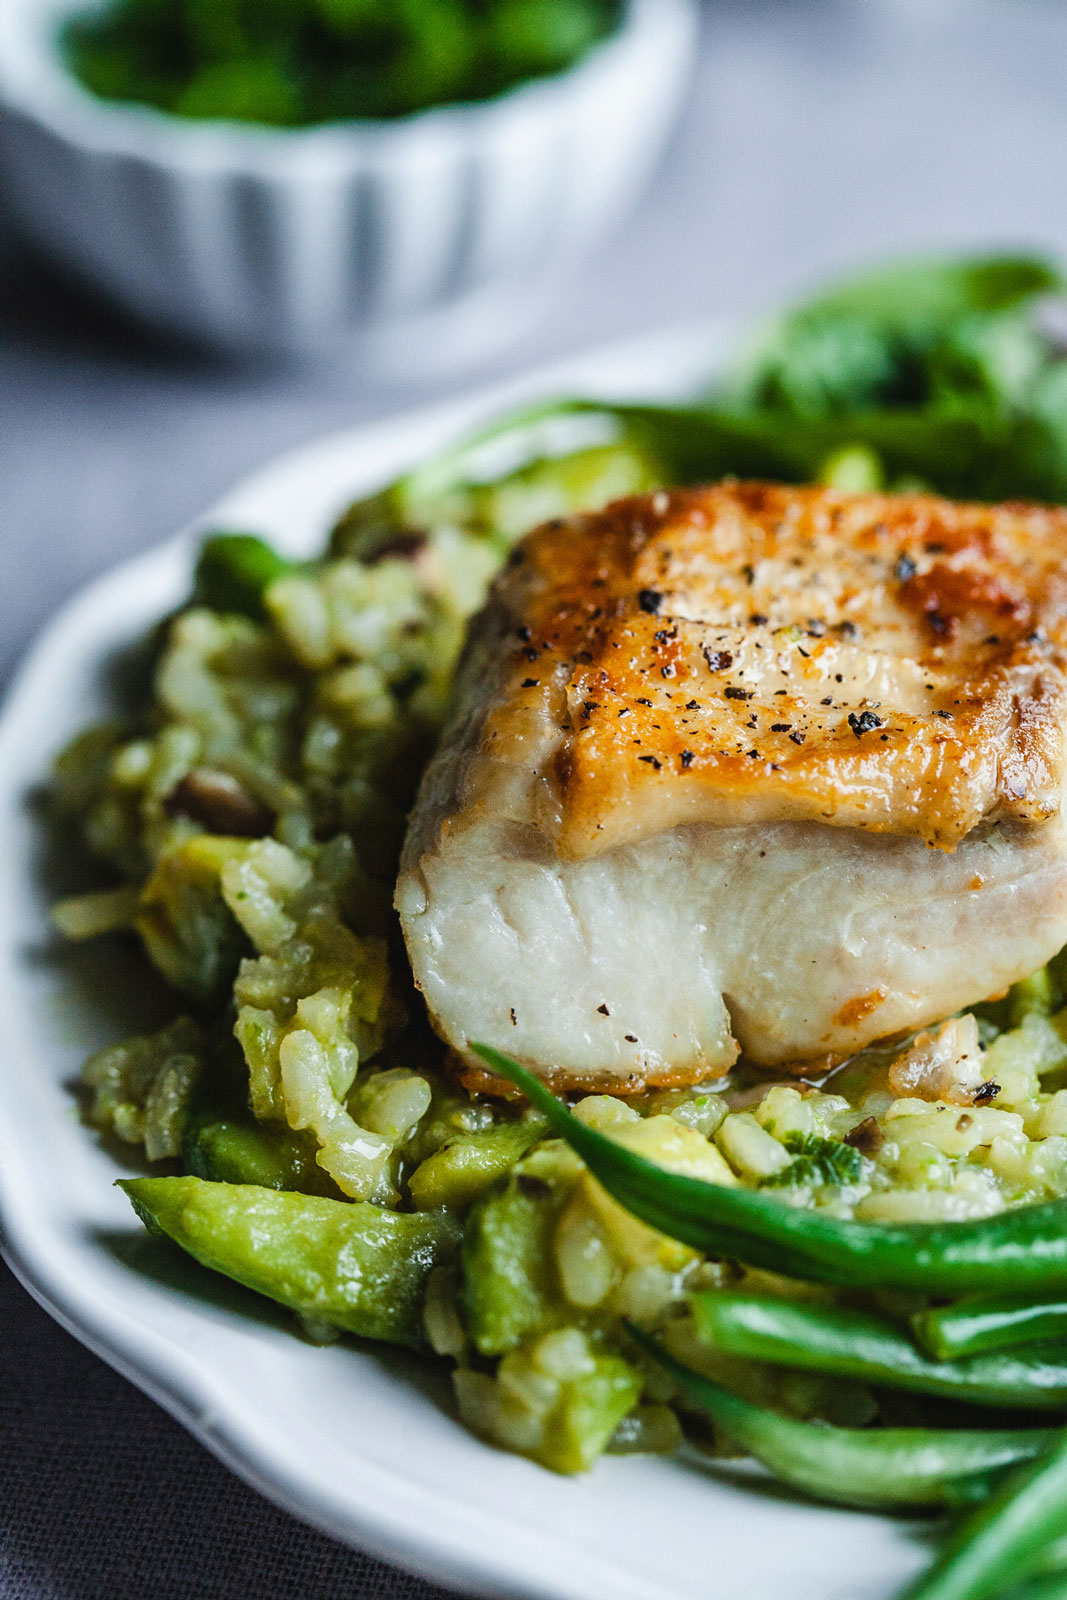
{"x": 422, "y": 240}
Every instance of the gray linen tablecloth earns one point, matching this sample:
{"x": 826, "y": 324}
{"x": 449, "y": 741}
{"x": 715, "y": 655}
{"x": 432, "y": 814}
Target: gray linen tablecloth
{"x": 821, "y": 133}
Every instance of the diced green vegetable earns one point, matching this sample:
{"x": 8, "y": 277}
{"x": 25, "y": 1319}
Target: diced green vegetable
{"x": 510, "y": 1287}
{"x": 591, "y": 1407}
{"x": 854, "y": 468}
{"x": 231, "y": 1150}
{"x": 509, "y": 1277}
{"x": 351, "y": 1264}
{"x": 188, "y": 930}
{"x": 234, "y": 571}
{"x": 462, "y": 1169}
{"x": 87, "y": 916}
{"x": 1032, "y": 995}
{"x": 143, "y": 1088}
{"x": 559, "y": 1400}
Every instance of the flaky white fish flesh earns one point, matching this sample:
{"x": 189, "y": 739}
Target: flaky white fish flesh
{"x": 747, "y": 768}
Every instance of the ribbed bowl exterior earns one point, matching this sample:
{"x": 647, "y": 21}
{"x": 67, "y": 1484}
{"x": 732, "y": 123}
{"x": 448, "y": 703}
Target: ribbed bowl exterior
{"x": 423, "y": 238}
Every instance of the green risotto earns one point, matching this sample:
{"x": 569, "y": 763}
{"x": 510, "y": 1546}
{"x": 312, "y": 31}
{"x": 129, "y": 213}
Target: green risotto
{"x": 774, "y": 1267}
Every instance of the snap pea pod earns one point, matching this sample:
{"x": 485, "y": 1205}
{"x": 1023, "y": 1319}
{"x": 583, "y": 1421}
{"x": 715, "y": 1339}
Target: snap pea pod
{"x": 871, "y": 1468}
{"x": 1025, "y": 1248}
{"x": 989, "y": 1322}
{"x": 352, "y": 1264}
{"x": 855, "y": 1344}
{"x": 1000, "y": 1544}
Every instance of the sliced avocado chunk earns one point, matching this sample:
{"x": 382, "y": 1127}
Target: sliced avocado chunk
{"x": 350, "y": 1264}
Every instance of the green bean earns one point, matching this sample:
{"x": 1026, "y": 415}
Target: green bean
{"x": 1024, "y": 1248}
{"x": 1048, "y": 1586}
{"x": 855, "y": 1344}
{"x": 1001, "y": 1542}
{"x": 887, "y": 1468}
{"x": 234, "y": 571}
{"x": 989, "y": 1322}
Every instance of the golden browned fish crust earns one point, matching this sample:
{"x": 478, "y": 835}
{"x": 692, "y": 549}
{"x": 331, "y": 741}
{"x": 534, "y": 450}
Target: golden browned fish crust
{"x": 752, "y": 653}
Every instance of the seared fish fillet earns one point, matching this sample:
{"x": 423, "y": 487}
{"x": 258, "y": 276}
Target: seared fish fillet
{"x": 746, "y": 768}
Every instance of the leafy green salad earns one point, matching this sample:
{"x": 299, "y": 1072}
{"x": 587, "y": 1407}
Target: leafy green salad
{"x": 860, "y": 1281}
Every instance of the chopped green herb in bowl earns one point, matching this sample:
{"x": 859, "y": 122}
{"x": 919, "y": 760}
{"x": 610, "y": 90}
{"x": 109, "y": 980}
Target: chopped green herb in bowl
{"x": 295, "y": 63}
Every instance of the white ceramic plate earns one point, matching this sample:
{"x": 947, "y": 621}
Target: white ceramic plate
{"x": 361, "y": 1443}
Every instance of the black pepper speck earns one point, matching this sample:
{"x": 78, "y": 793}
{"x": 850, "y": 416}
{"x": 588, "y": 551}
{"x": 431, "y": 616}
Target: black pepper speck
{"x": 864, "y": 723}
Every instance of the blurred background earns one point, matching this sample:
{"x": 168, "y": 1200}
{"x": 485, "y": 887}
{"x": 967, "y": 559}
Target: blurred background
{"x": 779, "y": 142}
